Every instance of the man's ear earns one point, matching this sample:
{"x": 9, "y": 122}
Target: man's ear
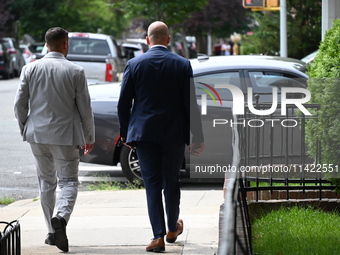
{"x": 65, "y": 45}
{"x": 147, "y": 40}
{"x": 168, "y": 40}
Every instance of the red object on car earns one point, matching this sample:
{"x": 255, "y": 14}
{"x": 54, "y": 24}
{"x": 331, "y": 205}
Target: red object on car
{"x": 108, "y": 72}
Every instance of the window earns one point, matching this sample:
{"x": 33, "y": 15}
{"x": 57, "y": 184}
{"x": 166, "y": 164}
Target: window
{"x": 263, "y": 82}
{"x": 88, "y": 46}
{"x": 207, "y": 83}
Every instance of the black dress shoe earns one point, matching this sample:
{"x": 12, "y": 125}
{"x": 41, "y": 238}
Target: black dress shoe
{"x": 50, "y": 239}
{"x": 59, "y": 225}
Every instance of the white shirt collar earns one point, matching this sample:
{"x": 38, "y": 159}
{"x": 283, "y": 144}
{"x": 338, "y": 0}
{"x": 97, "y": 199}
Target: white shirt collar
{"x": 158, "y": 45}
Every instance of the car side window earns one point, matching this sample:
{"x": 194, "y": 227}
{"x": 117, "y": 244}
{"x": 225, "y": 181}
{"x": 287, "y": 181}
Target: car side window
{"x": 263, "y": 82}
{"x": 87, "y": 46}
{"x": 206, "y": 84}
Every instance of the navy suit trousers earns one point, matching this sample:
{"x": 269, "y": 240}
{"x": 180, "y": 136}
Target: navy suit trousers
{"x": 160, "y": 166}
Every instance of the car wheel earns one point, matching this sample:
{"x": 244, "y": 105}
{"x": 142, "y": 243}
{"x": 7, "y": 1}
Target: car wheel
{"x": 16, "y": 73}
{"x": 6, "y": 76}
{"x": 130, "y": 164}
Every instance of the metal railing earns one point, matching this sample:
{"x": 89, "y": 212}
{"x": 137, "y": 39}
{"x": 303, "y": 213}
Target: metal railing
{"x": 275, "y": 157}
{"x": 10, "y": 238}
{"x": 235, "y": 227}
{"x": 256, "y": 150}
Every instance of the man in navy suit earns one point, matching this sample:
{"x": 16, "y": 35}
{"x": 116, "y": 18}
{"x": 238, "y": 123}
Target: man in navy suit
{"x": 157, "y": 109}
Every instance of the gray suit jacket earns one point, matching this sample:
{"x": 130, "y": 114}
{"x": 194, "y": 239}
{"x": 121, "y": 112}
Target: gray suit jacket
{"x": 52, "y": 104}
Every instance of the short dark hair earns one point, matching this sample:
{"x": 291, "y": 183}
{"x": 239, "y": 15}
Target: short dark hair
{"x": 55, "y": 36}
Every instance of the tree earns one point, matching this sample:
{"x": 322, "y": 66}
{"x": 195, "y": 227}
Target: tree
{"x": 219, "y": 18}
{"x": 36, "y": 16}
{"x": 170, "y": 12}
{"x": 324, "y": 84}
{"x": 303, "y": 29}
{"x": 6, "y": 17}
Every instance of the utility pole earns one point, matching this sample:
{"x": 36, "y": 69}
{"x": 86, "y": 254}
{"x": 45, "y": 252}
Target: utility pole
{"x": 330, "y": 12}
{"x": 283, "y": 28}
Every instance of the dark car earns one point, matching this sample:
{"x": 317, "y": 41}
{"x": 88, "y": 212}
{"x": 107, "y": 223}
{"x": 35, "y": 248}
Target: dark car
{"x": 13, "y": 48}
{"x": 6, "y": 62}
{"x": 211, "y": 76}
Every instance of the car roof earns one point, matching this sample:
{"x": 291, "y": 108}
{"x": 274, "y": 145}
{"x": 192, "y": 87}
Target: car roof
{"x": 87, "y": 35}
{"x": 205, "y": 64}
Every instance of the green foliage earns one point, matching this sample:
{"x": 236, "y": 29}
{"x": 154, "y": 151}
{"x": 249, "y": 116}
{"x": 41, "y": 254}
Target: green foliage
{"x": 303, "y": 30}
{"x": 266, "y": 37}
{"x": 170, "y": 12}
{"x": 297, "y": 231}
{"x": 36, "y": 16}
{"x": 221, "y": 18}
{"x": 324, "y": 84}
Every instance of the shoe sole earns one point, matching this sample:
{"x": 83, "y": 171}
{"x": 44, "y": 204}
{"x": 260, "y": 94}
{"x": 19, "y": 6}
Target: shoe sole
{"x": 172, "y": 240}
{"x": 157, "y": 249}
{"x": 60, "y": 234}
{"x": 49, "y": 242}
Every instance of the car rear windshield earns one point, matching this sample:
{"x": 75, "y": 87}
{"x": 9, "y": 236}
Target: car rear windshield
{"x": 87, "y": 46}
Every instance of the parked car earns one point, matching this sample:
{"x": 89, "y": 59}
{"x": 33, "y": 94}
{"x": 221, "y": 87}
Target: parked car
{"x": 26, "y": 53}
{"x": 133, "y": 48}
{"x": 13, "y": 48}
{"x": 6, "y": 62}
{"x": 99, "y": 54}
{"x": 36, "y": 47}
{"x": 260, "y": 73}
{"x": 310, "y": 57}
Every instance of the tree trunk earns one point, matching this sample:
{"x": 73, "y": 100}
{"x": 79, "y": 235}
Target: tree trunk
{"x": 201, "y": 43}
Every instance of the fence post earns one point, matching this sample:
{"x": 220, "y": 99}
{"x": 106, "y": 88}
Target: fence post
{"x": 10, "y": 243}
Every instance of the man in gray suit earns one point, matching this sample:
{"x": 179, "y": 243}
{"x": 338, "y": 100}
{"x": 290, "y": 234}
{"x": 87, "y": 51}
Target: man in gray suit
{"x": 53, "y": 109}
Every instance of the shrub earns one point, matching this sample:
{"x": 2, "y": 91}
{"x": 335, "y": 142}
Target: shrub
{"x": 324, "y": 84}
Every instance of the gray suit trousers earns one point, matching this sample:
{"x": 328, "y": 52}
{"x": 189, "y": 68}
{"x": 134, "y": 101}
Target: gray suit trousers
{"x": 57, "y": 164}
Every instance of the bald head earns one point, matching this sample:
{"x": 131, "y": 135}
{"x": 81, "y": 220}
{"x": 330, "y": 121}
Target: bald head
{"x": 158, "y": 34}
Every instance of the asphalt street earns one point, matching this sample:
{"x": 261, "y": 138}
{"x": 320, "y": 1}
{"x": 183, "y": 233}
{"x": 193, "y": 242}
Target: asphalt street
{"x": 17, "y": 168}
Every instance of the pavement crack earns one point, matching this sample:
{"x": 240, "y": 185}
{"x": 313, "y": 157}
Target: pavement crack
{"x": 199, "y": 201}
{"x": 23, "y": 214}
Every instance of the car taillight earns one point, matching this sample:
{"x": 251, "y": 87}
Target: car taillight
{"x": 27, "y": 53}
{"x": 108, "y": 73}
{"x": 12, "y": 51}
{"x": 80, "y": 35}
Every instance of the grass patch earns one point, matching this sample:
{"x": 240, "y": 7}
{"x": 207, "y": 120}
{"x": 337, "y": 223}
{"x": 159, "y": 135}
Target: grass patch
{"x": 109, "y": 185}
{"x": 297, "y": 231}
{"x": 6, "y": 200}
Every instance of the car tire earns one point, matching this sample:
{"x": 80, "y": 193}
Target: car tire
{"x": 130, "y": 164}
{"x": 6, "y": 76}
{"x": 17, "y": 73}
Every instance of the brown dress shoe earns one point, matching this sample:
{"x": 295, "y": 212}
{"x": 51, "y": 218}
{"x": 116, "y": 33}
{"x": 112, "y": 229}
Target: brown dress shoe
{"x": 172, "y": 236}
{"x": 156, "y": 245}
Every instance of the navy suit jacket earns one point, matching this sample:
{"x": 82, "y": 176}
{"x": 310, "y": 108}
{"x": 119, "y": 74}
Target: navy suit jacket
{"x": 156, "y": 95}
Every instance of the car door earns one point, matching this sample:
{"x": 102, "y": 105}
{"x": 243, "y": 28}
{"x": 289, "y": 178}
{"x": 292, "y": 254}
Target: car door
{"x": 280, "y": 137}
{"x": 215, "y": 104}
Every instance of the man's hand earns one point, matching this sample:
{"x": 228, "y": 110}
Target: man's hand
{"x": 196, "y": 148}
{"x": 88, "y": 148}
{"x": 130, "y": 145}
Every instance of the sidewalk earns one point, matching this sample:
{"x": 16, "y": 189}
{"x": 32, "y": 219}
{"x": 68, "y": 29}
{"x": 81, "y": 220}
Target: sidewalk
{"x": 116, "y": 222}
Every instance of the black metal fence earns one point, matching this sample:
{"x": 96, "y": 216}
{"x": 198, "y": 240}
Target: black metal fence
{"x": 275, "y": 157}
{"x": 10, "y": 238}
{"x": 270, "y": 153}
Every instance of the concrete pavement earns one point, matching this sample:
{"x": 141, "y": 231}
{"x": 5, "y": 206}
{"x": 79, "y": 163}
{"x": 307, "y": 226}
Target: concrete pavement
{"x": 116, "y": 222}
